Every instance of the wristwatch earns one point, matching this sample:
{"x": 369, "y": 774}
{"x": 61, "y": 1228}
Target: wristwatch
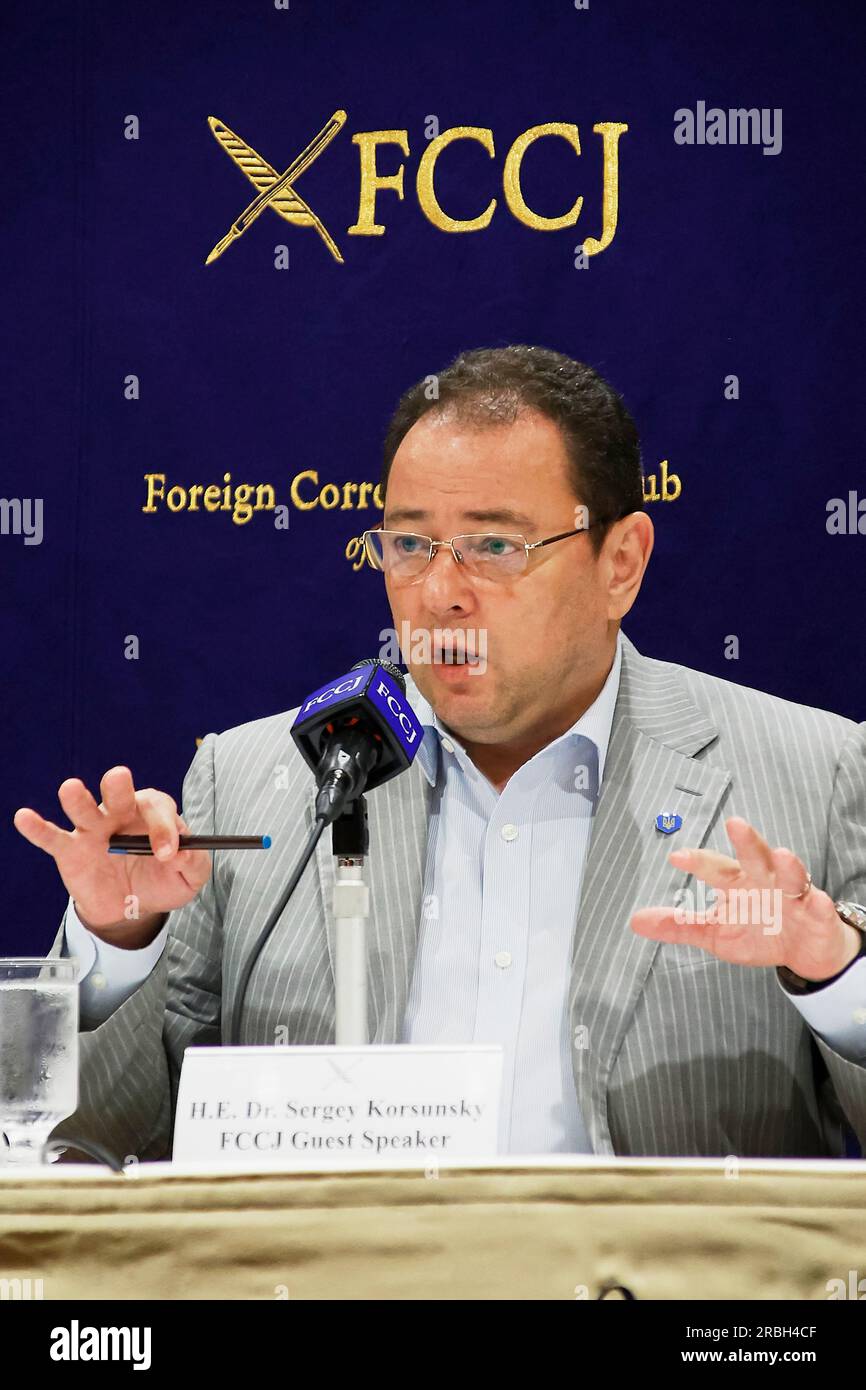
{"x": 855, "y": 916}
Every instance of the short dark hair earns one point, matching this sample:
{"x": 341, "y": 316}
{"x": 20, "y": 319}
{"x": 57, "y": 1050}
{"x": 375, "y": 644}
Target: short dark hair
{"x": 493, "y": 386}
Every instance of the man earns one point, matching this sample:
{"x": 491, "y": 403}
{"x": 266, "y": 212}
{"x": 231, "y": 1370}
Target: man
{"x": 523, "y": 885}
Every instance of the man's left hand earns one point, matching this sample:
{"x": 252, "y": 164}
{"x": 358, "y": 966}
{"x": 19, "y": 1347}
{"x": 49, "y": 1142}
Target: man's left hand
{"x": 752, "y": 922}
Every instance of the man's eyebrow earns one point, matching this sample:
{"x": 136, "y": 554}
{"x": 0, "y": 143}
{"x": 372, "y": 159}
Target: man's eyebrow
{"x": 498, "y": 516}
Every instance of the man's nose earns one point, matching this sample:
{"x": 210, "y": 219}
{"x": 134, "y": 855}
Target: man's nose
{"x": 446, "y": 583}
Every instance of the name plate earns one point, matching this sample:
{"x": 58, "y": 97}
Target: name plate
{"x": 337, "y": 1107}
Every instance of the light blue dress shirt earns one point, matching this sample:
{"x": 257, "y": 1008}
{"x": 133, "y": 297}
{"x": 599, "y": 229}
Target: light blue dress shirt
{"x": 501, "y": 895}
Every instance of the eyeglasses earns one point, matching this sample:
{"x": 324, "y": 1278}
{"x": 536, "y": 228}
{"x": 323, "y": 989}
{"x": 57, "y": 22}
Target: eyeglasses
{"x": 402, "y": 555}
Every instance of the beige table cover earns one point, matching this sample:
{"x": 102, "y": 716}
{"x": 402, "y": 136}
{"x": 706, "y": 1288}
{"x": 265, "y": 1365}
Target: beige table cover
{"x": 491, "y": 1230}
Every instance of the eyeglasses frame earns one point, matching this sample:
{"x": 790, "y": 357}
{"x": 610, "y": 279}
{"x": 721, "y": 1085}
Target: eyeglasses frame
{"x": 527, "y": 545}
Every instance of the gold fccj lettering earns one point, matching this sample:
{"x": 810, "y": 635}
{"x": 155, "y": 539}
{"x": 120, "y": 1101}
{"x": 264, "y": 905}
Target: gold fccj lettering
{"x": 277, "y": 190}
{"x": 307, "y": 493}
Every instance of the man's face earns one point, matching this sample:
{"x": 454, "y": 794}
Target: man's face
{"x": 547, "y": 629}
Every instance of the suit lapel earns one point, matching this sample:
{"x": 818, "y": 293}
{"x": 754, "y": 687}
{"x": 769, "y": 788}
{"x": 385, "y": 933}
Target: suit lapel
{"x": 657, "y": 729}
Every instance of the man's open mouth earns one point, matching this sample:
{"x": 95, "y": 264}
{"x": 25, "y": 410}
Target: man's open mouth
{"x": 453, "y": 656}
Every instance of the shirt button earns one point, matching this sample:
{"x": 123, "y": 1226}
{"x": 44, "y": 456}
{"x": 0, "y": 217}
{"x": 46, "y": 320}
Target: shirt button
{"x": 509, "y": 832}
{"x": 448, "y": 745}
{"x": 859, "y": 1016}
{"x": 502, "y": 959}
{"x": 98, "y": 981}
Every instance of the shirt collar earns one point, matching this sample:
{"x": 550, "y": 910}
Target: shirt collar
{"x": 594, "y": 724}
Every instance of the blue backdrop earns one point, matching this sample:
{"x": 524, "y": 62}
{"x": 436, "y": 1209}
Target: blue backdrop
{"x": 725, "y": 262}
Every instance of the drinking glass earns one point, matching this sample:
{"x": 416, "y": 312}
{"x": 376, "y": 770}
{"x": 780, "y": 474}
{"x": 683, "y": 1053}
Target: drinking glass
{"x": 38, "y": 1052}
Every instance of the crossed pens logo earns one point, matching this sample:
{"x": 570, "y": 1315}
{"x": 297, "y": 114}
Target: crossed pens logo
{"x": 278, "y": 190}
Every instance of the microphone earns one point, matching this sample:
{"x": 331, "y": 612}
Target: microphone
{"x": 356, "y": 733}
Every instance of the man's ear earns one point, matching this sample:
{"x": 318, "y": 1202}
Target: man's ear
{"x": 626, "y": 552}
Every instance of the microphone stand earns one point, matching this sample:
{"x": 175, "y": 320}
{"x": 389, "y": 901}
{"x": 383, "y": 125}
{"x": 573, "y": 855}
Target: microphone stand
{"x": 351, "y": 842}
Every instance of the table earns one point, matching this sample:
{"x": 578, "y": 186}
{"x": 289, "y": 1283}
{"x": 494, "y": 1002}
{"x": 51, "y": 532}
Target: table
{"x": 509, "y": 1228}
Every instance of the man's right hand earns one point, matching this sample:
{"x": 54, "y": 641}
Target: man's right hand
{"x": 121, "y": 898}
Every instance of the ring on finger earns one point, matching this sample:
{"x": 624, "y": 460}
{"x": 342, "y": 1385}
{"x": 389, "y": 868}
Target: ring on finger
{"x": 803, "y": 891}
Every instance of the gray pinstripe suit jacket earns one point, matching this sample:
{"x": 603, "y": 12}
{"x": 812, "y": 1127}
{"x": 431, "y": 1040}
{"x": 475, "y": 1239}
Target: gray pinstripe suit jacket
{"x": 681, "y": 1053}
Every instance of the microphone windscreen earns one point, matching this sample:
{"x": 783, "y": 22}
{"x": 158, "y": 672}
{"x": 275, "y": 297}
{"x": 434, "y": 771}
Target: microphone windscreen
{"x": 386, "y": 666}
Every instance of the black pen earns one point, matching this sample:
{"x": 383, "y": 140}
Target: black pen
{"x": 140, "y": 844}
